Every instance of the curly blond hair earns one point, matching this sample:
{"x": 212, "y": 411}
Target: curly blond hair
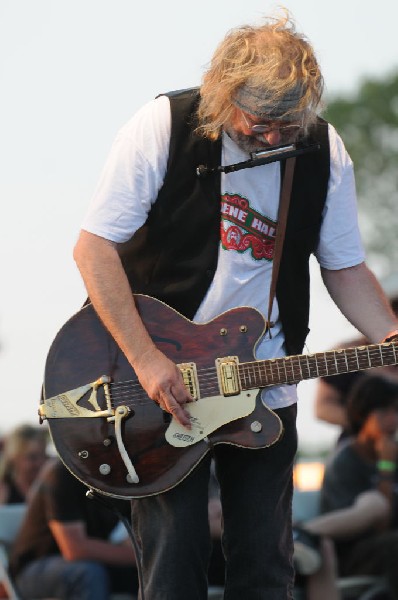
{"x": 271, "y": 56}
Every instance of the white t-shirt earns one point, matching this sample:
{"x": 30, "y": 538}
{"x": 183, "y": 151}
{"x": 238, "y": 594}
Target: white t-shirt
{"x": 129, "y": 185}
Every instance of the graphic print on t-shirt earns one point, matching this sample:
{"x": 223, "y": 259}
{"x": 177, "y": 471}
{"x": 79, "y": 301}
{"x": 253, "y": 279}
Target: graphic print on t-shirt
{"x": 244, "y": 229}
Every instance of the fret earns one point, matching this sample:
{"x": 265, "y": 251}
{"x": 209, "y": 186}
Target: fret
{"x": 284, "y": 363}
{"x": 289, "y": 364}
{"x": 273, "y": 371}
{"x": 242, "y": 377}
{"x": 264, "y": 377}
{"x": 357, "y": 358}
{"x": 299, "y": 367}
{"x": 255, "y": 373}
{"x": 375, "y": 354}
{"x": 366, "y": 362}
{"x": 277, "y": 371}
{"x": 251, "y": 375}
{"x": 310, "y": 360}
{"x": 323, "y": 368}
{"x": 337, "y": 363}
{"x": 351, "y": 360}
{"x": 304, "y": 367}
{"x": 272, "y": 368}
{"x": 313, "y": 369}
{"x": 308, "y": 366}
{"x": 316, "y": 364}
{"x": 270, "y": 378}
{"x": 259, "y": 369}
{"x": 381, "y": 355}
{"x": 329, "y": 363}
{"x": 278, "y": 379}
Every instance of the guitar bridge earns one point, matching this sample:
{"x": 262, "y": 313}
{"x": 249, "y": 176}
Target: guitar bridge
{"x": 66, "y": 404}
{"x": 228, "y": 376}
{"x": 190, "y": 378}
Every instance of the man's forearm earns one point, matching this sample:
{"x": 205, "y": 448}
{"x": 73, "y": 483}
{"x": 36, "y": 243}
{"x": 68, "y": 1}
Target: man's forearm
{"x": 110, "y": 293}
{"x": 106, "y": 552}
{"x": 362, "y": 301}
{"x": 75, "y": 544}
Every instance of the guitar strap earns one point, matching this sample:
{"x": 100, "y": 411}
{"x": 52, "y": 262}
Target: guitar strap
{"x": 283, "y": 211}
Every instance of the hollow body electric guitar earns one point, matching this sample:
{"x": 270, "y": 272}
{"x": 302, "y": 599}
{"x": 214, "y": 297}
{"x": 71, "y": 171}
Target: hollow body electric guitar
{"x": 119, "y": 442}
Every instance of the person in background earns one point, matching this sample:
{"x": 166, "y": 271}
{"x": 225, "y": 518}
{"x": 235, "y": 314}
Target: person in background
{"x": 63, "y": 549}
{"x": 24, "y": 454}
{"x": 332, "y": 392}
{"x": 204, "y": 245}
{"x": 359, "y": 499}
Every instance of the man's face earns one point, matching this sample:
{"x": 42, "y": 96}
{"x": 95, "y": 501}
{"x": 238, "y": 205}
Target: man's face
{"x": 251, "y": 133}
{"x": 382, "y": 422}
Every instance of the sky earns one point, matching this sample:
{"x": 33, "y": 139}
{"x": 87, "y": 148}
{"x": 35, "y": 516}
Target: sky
{"x": 71, "y": 73}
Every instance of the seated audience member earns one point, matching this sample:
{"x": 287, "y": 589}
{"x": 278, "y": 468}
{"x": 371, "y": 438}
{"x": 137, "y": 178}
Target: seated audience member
{"x": 63, "y": 549}
{"x": 331, "y": 398}
{"x": 23, "y": 455}
{"x": 359, "y": 492}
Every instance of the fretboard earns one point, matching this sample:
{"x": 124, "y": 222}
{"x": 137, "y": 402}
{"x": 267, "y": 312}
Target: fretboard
{"x": 293, "y": 369}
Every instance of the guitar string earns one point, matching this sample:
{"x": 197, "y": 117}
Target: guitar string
{"x": 122, "y": 390}
{"x": 118, "y": 395}
{"x": 302, "y": 360}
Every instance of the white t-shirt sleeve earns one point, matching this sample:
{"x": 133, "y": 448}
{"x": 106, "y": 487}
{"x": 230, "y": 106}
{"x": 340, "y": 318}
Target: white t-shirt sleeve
{"x": 340, "y": 244}
{"x": 133, "y": 174}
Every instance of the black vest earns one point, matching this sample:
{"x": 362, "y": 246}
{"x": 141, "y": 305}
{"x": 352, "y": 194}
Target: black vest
{"x": 173, "y": 256}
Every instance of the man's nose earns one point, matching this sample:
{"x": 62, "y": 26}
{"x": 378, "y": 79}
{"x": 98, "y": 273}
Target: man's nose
{"x": 273, "y": 137}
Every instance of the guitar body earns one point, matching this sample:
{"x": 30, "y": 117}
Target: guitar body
{"x": 83, "y": 351}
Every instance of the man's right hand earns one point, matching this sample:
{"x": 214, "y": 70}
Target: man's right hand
{"x": 162, "y": 381}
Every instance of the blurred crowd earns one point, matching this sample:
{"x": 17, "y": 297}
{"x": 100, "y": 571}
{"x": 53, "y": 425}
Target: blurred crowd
{"x": 65, "y": 547}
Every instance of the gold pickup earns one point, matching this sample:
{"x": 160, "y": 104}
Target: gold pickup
{"x": 228, "y": 376}
{"x": 190, "y": 377}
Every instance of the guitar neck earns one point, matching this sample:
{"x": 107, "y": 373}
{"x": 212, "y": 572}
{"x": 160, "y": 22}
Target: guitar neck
{"x": 293, "y": 369}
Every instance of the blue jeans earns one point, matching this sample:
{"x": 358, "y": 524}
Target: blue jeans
{"x": 256, "y": 493}
{"x": 55, "y": 577}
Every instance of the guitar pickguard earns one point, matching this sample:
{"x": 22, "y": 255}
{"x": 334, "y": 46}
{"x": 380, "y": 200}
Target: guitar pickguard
{"x": 209, "y": 414}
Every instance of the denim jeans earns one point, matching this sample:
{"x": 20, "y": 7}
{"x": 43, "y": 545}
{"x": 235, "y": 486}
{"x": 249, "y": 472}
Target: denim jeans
{"x": 256, "y": 493}
{"x": 55, "y": 577}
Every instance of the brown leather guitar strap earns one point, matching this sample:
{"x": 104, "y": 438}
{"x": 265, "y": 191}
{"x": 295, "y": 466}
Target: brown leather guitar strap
{"x": 283, "y": 211}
